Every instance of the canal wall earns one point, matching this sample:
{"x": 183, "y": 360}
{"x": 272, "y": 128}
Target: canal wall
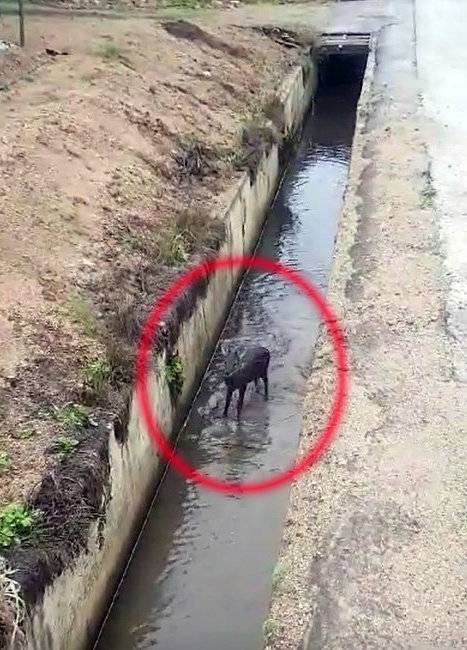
{"x": 72, "y": 607}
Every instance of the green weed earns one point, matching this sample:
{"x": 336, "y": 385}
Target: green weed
{"x": 270, "y": 629}
{"x": 175, "y": 12}
{"x": 166, "y": 246}
{"x": 278, "y": 575}
{"x": 109, "y": 51}
{"x": 173, "y": 245}
{"x": 25, "y": 434}
{"x": 174, "y": 375}
{"x": 186, "y": 4}
{"x": 72, "y": 415}
{"x": 428, "y": 196}
{"x": 234, "y": 157}
{"x": 64, "y": 445}
{"x": 172, "y": 249}
{"x": 87, "y": 77}
{"x": 5, "y": 462}
{"x": 80, "y": 312}
{"x": 16, "y": 523}
{"x": 96, "y": 375}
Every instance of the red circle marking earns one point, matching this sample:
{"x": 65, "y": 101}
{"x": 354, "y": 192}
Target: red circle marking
{"x": 204, "y": 270}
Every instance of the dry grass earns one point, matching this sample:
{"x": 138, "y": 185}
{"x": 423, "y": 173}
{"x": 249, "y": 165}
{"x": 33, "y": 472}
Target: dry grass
{"x": 12, "y": 607}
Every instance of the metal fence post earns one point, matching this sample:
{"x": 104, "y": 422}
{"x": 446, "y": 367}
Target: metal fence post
{"x": 21, "y": 22}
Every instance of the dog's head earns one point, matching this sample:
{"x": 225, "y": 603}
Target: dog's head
{"x": 228, "y": 380}
{"x": 232, "y": 362}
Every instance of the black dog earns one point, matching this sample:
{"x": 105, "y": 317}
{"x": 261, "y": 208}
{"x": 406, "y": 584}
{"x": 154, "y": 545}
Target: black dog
{"x": 239, "y": 372}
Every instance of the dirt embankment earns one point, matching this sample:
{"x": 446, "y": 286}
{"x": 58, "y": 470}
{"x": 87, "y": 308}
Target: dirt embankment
{"x": 115, "y": 147}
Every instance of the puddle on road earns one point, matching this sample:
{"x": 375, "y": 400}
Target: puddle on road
{"x": 200, "y": 578}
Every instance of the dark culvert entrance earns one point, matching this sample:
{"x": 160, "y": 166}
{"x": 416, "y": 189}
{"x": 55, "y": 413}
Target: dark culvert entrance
{"x": 333, "y": 72}
{"x": 200, "y": 577}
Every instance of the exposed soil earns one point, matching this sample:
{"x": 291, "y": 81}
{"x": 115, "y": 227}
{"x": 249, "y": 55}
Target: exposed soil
{"x": 94, "y": 164}
{"x": 143, "y": 7}
{"x": 113, "y": 159}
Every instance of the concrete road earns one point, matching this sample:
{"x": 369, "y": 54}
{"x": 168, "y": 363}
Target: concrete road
{"x": 441, "y": 30}
{"x": 375, "y": 544}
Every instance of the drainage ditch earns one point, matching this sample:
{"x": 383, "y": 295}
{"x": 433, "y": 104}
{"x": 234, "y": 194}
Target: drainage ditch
{"x": 200, "y": 575}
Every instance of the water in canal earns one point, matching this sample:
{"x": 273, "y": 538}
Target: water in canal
{"x": 200, "y": 578}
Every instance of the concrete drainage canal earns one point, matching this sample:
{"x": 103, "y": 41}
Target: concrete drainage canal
{"x": 200, "y": 574}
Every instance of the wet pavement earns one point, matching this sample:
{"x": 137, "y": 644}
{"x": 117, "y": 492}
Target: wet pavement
{"x": 202, "y": 569}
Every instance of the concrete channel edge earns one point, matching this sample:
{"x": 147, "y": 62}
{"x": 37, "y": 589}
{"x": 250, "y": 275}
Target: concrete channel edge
{"x": 72, "y": 608}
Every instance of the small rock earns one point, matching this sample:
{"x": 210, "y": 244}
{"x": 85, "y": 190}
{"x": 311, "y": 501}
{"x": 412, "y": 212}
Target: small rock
{"x": 213, "y": 401}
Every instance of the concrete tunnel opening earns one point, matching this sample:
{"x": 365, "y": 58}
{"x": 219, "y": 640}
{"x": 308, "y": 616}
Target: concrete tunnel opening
{"x": 342, "y": 58}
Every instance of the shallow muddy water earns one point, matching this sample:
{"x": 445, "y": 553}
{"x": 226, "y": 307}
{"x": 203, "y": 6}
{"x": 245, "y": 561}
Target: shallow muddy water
{"x": 200, "y": 578}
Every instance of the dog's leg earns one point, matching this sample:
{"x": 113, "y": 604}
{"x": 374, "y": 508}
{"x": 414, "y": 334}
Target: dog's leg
{"x": 241, "y": 395}
{"x": 265, "y": 381}
{"x": 228, "y": 397}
